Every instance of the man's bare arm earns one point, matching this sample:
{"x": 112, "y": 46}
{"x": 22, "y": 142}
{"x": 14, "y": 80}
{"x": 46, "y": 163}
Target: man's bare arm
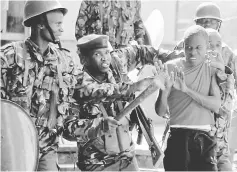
{"x": 212, "y": 101}
{"x": 161, "y": 105}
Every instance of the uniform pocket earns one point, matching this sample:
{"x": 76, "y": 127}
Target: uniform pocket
{"x": 111, "y": 143}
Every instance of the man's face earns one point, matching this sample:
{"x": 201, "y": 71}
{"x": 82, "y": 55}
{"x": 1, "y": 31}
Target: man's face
{"x": 208, "y": 23}
{"x": 55, "y": 20}
{"x": 100, "y": 60}
{"x": 215, "y": 42}
{"x": 195, "y": 48}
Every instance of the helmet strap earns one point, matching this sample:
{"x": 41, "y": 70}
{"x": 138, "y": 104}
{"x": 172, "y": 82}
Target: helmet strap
{"x": 51, "y": 31}
{"x": 219, "y": 26}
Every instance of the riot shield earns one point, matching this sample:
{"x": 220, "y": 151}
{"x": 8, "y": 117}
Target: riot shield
{"x": 19, "y": 139}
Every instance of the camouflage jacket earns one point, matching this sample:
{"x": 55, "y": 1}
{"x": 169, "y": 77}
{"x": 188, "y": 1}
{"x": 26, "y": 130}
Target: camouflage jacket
{"x": 120, "y": 20}
{"x": 223, "y": 118}
{"x": 88, "y": 128}
{"x": 230, "y": 60}
{"x": 42, "y": 84}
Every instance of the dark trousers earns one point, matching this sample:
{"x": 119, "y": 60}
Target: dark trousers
{"x": 190, "y": 150}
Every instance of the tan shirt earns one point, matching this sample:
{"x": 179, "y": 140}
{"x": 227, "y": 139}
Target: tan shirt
{"x": 183, "y": 109}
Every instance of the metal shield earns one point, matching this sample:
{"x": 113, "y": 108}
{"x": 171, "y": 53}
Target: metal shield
{"x": 19, "y": 139}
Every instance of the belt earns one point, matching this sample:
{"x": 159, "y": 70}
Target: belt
{"x": 191, "y": 130}
{"x": 192, "y": 127}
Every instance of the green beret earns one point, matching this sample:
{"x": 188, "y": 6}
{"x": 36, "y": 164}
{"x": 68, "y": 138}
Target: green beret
{"x": 93, "y": 41}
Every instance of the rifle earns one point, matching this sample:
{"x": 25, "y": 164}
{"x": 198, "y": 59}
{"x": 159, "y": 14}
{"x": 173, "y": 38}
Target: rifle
{"x": 145, "y": 123}
{"x": 148, "y": 132}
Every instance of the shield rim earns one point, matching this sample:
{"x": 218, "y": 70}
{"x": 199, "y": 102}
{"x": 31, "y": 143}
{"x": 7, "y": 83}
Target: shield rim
{"x": 28, "y": 116}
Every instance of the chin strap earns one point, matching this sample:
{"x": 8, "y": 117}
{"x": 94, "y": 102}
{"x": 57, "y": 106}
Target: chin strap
{"x": 51, "y": 32}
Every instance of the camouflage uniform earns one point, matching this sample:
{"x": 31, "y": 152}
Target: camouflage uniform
{"x": 98, "y": 151}
{"x": 42, "y": 84}
{"x": 120, "y": 20}
{"x": 223, "y": 119}
{"x": 222, "y": 123}
{"x": 230, "y": 60}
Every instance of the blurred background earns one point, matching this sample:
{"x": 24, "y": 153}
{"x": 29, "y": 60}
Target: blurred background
{"x": 177, "y": 14}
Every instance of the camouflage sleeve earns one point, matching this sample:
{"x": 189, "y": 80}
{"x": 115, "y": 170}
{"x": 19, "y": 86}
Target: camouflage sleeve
{"x": 3, "y": 75}
{"x": 7, "y": 55}
{"x": 139, "y": 28}
{"x": 227, "y": 53}
{"x": 83, "y": 129}
{"x": 167, "y": 55}
{"x": 233, "y": 66}
{"x": 179, "y": 46}
{"x": 130, "y": 57}
{"x": 90, "y": 90}
{"x": 230, "y": 85}
{"x": 80, "y": 28}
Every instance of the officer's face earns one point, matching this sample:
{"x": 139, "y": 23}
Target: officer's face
{"x": 55, "y": 20}
{"x": 215, "y": 42}
{"x": 208, "y": 23}
{"x": 195, "y": 49}
{"x": 100, "y": 59}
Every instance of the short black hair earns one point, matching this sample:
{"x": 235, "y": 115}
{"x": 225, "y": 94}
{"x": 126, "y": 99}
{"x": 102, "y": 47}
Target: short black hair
{"x": 195, "y": 30}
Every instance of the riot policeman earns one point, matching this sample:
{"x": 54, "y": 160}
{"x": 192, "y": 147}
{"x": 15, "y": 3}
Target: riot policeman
{"x": 40, "y": 77}
{"x": 208, "y": 15}
{"x": 101, "y": 95}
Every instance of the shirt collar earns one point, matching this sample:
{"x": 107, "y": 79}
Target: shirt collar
{"x": 109, "y": 76}
{"x": 36, "y": 50}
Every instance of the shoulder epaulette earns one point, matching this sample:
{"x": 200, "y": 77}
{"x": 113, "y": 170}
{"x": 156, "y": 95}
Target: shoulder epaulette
{"x": 11, "y": 46}
{"x": 7, "y": 46}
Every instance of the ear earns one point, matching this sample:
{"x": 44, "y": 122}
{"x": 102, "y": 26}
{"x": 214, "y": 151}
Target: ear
{"x": 40, "y": 26}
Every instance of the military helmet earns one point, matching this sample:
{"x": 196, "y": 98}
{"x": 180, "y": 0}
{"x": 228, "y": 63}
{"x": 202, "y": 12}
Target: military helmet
{"x": 208, "y": 10}
{"x": 34, "y": 8}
